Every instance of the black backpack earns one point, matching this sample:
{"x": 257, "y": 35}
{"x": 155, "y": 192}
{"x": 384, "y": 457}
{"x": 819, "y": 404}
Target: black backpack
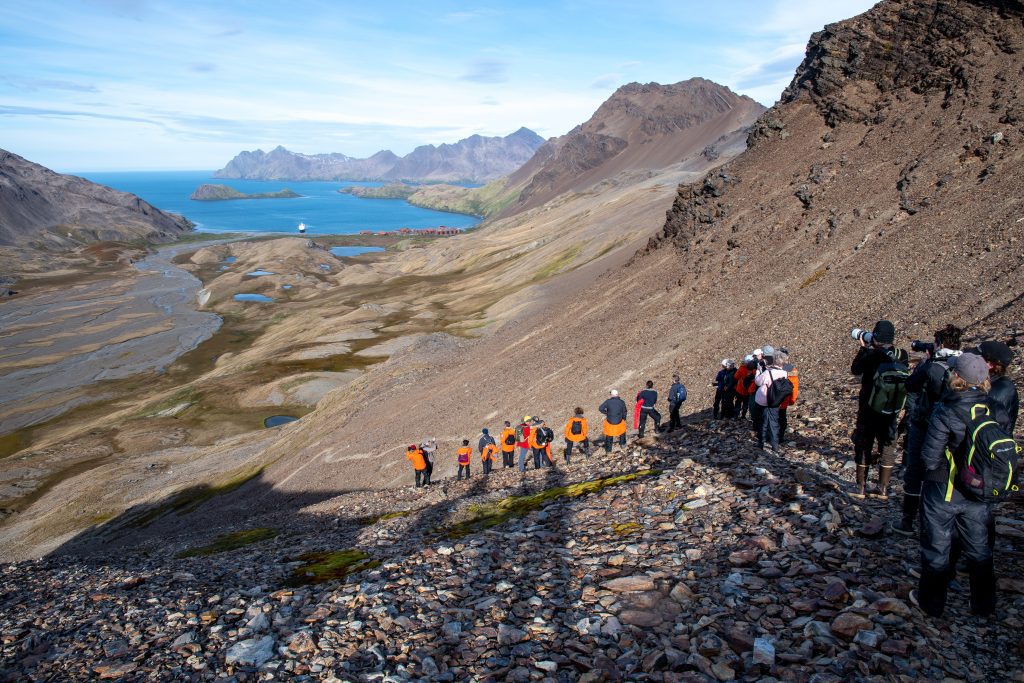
{"x": 542, "y": 436}
{"x": 989, "y": 463}
{"x": 510, "y": 439}
{"x": 577, "y": 426}
{"x": 779, "y": 389}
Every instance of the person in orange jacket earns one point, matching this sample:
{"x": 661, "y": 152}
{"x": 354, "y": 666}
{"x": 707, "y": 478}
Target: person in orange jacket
{"x": 540, "y": 441}
{"x": 794, "y": 377}
{"x": 508, "y": 445}
{"x": 487, "y": 456}
{"x": 576, "y": 434}
{"x": 419, "y": 463}
{"x": 463, "y": 455}
{"x": 745, "y": 385}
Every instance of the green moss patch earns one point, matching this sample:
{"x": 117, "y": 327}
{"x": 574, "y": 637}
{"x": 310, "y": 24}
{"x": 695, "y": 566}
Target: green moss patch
{"x": 626, "y": 528}
{"x": 330, "y": 566}
{"x": 814, "y": 277}
{"x": 487, "y": 515}
{"x": 370, "y": 521}
{"x": 231, "y": 541}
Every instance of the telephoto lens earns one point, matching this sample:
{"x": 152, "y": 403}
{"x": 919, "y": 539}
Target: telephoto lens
{"x": 922, "y": 346}
{"x": 858, "y": 334}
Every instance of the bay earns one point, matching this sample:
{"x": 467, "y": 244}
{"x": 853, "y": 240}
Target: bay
{"x": 322, "y": 208}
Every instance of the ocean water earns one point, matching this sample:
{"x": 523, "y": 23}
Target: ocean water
{"x": 322, "y": 208}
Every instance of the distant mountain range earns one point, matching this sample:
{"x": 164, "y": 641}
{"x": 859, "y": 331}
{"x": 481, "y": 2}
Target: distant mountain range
{"x": 474, "y": 159}
{"x": 49, "y": 210}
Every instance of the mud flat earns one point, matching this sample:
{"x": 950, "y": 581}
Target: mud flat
{"x": 55, "y": 344}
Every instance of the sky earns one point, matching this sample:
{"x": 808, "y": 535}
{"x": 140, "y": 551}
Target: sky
{"x": 102, "y": 85}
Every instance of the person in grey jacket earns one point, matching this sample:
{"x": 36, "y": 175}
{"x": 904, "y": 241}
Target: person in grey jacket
{"x": 949, "y": 516}
{"x": 676, "y": 396}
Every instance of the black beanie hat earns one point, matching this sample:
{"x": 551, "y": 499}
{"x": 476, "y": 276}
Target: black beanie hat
{"x": 884, "y": 332}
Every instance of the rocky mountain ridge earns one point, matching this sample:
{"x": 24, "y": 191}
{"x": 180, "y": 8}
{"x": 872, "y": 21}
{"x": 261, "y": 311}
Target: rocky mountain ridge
{"x": 473, "y": 159}
{"x": 45, "y": 210}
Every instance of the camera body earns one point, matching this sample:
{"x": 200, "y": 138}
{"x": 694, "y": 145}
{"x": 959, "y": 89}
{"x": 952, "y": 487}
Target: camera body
{"x": 922, "y": 346}
{"x": 861, "y": 335}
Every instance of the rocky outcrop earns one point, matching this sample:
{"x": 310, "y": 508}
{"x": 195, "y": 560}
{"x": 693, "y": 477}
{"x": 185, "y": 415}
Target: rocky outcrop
{"x": 641, "y": 126}
{"x": 43, "y": 209}
{"x": 474, "y": 159}
{"x": 214, "y": 193}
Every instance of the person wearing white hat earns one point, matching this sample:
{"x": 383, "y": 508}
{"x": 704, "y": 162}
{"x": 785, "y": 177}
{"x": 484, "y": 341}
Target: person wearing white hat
{"x": 614, "y": 411}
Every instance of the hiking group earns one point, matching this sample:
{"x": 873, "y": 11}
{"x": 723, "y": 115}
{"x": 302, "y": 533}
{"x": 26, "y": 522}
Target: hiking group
{"x": 958, "y": 411}
{"x": 532, "y": 439}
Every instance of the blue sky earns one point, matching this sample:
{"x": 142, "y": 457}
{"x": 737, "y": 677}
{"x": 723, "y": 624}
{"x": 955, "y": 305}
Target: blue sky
{"x": 89, "y": 85}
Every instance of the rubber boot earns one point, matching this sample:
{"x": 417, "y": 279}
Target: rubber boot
{"x": 862, "y": 480}
{"x": 884, "y": 475}
{"x": 911, "y": 505}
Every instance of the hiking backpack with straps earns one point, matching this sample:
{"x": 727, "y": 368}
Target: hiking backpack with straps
{"x": 577, "y": 427}
{"x": 889, "y": 391}
{"x": 778, "y": 390}
{"x": 521, "y": 433}
{"x": 510, "y": 439}
{"x": 988, "y": 466}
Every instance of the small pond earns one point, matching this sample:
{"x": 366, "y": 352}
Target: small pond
{"x": 230, "y": 259}
{"x": 354, "y": 251}
{"x": 278, "y": 420}
{"x": 286, "y": 286}
{"x": 253, "y": 297}
{"x": 259, "y": 273}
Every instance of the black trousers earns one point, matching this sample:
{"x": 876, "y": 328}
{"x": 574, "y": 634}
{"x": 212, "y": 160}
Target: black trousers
{"x": 874, "y": 429}
{"x": 673, "y": 416}
{"x": 716, "y": 410}
{"x": 742, "y": 403}
{"x": 728, "y": 403}
{"x": 966, "y": 523}
{"x": 757, "y": 417}
{"x": 783, "y": 424}
{"x": 463, "y": 468}
{"x": 654, "y": 414}
{"x": 508, "y": 458}
{"x": 769, "y": 427}
{"x": 487, "y": 466}
{"x": 608, "y": 442}
{"x": 421, "y": 478}
{"x": 584, "y": 447}
{"x": 427, "y": 473}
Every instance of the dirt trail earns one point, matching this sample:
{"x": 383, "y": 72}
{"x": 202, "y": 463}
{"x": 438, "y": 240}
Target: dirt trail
{"x": 57, "y": 343}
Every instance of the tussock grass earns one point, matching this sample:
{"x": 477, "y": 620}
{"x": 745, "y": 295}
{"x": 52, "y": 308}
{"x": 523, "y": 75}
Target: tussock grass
{"x": 230, "y": 541}
{"x": 330, "y": 566}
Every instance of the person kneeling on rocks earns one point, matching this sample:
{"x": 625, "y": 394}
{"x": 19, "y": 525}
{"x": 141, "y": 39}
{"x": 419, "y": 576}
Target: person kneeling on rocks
{"x": 419, "y": 463}
{"x": 576, "y": 434}
{"x": 614, "y": 411}
{"x": 463, "y": 455}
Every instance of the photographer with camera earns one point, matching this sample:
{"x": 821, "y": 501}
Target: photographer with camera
{"x": 883, "y": 371}
{"x": 925, "y": 387}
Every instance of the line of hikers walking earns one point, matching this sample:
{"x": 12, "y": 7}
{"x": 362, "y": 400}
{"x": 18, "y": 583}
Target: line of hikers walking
{"x": 533, "y": 440}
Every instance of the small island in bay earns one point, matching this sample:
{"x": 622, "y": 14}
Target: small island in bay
{"x": 217, "y": 193}
{"x": 391, "y": 191}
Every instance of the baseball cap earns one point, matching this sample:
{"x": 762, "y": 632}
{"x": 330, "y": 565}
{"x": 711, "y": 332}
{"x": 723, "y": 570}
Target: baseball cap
{"x": 970, "y": 367}
{"x": 994, "y": 352}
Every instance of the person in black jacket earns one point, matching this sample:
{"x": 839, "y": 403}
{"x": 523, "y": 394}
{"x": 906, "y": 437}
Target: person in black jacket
{"x": 875, "y": 428}
{"x": 949, "y": 516}
{"x": 720, "y": 380}
{"x": 1003, "y": 394}
{"x": 614, "y": 411}
{"x": 925, "y": 388}
{"x": 649, "y": 396}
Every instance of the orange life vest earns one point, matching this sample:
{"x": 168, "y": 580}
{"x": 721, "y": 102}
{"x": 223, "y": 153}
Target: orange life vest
{"x": 582, "y": 436}
{"x": 416, "y": 457}
{"x": 741, "y": 374}
{"x": 490, "y": 452}
{"x": 464, "y": 454}
{"x": 794, "y": 377}
{"x": 614, "y": 430}
{"x": 505, "y": 434}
